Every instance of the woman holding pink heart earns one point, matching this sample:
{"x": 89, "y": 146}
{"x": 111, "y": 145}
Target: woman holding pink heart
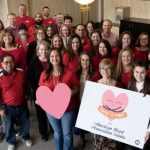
{"x": 51, "y": 77}
{"x": 106, "y": 70}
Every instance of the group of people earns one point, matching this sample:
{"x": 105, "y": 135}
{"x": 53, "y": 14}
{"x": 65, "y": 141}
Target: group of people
{"x": 46, "y": 51}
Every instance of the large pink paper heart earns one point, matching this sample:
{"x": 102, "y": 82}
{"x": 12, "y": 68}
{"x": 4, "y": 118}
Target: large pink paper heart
{"x": 115, "y": 104}
{"x": 54, "y": 103}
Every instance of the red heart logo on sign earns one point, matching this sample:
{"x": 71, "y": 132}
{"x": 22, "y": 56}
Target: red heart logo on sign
{"x": 54, "y": 103}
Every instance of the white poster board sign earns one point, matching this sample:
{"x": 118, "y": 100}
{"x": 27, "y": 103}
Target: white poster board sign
{"x": 116, "y": 113}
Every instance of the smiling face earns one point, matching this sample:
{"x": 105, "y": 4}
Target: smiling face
{"x": 55, "y": 58}
{"x": 90, "y": 28}
{"x": 22, "y": 10}
{"x": 40, "y": 35}
{"x": 65, "y": 31}
{"x": 103, "y": 49}
{"x": 126, "y": 58}
{"x": 126, "y": 41}
{"x": 139, "y": 73}
{"x": 57, "y": 42}
{"x": 8, "y": 38}
{"x": 75, "y": 44}
{"x": 49, "y": 32}
{"x": 144, "y": 40}
{"x": 85, "y": 61}
{"x": 8, "y": 64}
{"x": 95, "y": 38}
{"x": 42, "y": 51}
{"x": 106, "y": 72}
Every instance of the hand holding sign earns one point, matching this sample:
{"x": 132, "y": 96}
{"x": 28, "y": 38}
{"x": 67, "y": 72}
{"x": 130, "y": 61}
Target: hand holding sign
{"x": 54, "y": 103}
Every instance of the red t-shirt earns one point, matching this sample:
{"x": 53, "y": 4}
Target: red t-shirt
{"x": 19, "y": 55}
{"x": 27, "y": 20}
{"x": 69, "y": 78}
{"x": 71, "y": 65}
{"x": 12, "y": 88}
{"x": 125, "y": 78}
{"x": 50, "y": 20}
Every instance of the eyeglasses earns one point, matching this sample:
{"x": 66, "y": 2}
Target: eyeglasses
{"x": 8, "y": 62}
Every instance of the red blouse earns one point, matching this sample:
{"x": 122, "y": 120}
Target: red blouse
{"x": 71, "y": 65}
{"x": 69, "y": 78}
{"x": 125, "y": 78}
{"x": 140, "y": 55}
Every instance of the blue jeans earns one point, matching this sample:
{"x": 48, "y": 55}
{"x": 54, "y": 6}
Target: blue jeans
{"x": 21, "y": 112}
{"x": 63, "y": 130}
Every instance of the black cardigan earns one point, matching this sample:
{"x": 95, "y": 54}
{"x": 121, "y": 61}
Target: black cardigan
{"x": 34, "y": 71}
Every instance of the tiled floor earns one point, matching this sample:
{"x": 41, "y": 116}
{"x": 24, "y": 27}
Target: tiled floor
{"x": 38, "y": 144}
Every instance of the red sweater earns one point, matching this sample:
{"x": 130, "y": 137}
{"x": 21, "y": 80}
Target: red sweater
{"x": 125, "y": 78}
{"x": 19, "y": 55}
{"x": 69, "y": 78}
{"x": 27, "y": 20}
{"x": 86, "y": 45}
{"x": 12, "y": 88}
{"x": 71, "y": 65}
{"x": 140, "y": 55}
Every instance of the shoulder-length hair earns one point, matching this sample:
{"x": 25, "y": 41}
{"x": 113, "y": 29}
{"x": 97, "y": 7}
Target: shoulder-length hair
{"x": 53, "y": 29}
{"x": 10, "y": 32}
{"x": 90, "y": 70}
{"x": 121, "y": 37}
{"x": 36, "y": 32}
{"x": 108, "y": 46}
{"x": 119, "y": 68}
{"x": 64, "y": 25}
{"x": 132, "y": 83}
{"x": 70, "y": 50}
{"x": 49, "y": 67}
{"x": 137, "y": 44}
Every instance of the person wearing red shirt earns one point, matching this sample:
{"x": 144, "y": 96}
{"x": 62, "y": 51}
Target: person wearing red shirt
{"x": 53, "y": 75}
{"x": 142, "y": 47}
{"x": 24, "y": 39}
{"x": 47, "y": 19}
{"x": 86, "y": 44}
{"x": 38, "y": 23}
{"x": 125, "y": 42}
{"x": 71, "y": 58}
{"x": 124, "y": 67}
{"x": 10, "y": 46}
{"x": 104, "y": 51}
{"x": 85, "y": 72}
{"x": 13, "y": 102}
{"x": 23, "y": 18}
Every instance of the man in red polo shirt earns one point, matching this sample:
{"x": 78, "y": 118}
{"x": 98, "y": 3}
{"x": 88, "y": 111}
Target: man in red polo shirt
{"x": 13, "y": 103}
{"x": 23, "y": 18}
{"x": 47, "y": 18}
